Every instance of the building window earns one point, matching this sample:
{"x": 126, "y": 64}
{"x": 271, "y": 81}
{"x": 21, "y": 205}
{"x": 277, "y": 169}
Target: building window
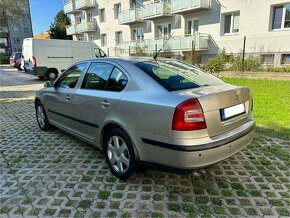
{"x": 91, "y": 38}
{"x": 267, "y": 59}
{"x": 281, "y": 17}
{"x": 104, "y": 39}
{"x": 138, "y": 34}
{"x": 119, "y": 37}
{"x": 102, "y": 15}
{"x": 163, "y": 30}
{"x": 25, "y": 30}
{"x": 16, "y": 40}
{"x": 15, "y": 30}
{"x": 232, "y": 23}
{"x": 78, "y": 19}
{"x": 285, "y": 59}
{"x": 117, "y": 10}
{"x": 192, "y": 26}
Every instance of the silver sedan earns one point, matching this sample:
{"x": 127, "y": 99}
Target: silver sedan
{"x": 164, "y": 112}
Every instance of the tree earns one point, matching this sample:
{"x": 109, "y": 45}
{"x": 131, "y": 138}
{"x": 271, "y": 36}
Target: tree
{"x": 58, "y": 27}
{"x": 11, "y": 12}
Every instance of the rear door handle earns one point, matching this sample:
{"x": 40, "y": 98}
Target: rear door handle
{"x": 105, "y": 103}
{"x": 68, "y": 98}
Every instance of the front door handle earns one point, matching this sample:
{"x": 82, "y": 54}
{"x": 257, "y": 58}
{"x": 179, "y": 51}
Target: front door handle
{"x": 105, "y": 104}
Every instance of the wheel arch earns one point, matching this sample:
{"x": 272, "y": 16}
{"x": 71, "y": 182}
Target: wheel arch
{"x": 111, "y": 125}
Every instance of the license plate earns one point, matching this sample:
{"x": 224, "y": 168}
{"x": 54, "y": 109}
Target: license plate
{"x": 227, "y": 113}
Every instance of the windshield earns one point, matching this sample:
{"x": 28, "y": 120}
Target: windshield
{"x": 175, "y": 75}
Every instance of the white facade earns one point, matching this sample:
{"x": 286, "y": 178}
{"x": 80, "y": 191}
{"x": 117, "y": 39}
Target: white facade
{"x": 206, "y": 25}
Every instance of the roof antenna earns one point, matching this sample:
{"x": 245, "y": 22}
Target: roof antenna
{"x": 156, "y": 55}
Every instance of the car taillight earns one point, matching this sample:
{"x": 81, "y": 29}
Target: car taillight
{"x": 13, "y": 60}
{"x": 34, "y": 61}
{"x": 22, "y": 56}
{"x": 188, "y": 116}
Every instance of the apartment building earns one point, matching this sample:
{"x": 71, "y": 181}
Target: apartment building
{"x": 13, "y": 30}
{"x": 124, "y": 27}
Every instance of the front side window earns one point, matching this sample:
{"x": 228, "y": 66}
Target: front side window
{"x": 232, "y": 23}
{"x": 281, "y": 17}
{"x": 104, "y": 76}
{"x": 175, "y": 75}
{"x": 70, "y": 78}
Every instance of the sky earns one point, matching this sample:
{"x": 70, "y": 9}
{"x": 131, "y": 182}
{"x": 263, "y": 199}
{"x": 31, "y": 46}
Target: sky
{"x": 43, "y": 13}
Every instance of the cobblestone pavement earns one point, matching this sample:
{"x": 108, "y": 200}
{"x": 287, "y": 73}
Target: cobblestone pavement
{"x": 54, "y": 174}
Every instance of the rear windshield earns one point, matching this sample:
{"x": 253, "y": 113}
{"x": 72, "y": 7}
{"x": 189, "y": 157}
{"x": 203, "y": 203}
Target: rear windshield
{"x": 175, "y": 75}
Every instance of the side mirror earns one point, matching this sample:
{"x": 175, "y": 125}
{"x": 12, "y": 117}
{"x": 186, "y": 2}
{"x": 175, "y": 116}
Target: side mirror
{"x": 48, "y": 84}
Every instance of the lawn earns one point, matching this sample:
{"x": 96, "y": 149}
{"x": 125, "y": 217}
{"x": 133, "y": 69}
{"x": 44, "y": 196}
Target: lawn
{"x": 271, "y": 105}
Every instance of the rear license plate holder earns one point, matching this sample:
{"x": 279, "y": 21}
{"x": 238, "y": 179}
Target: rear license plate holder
{"x": 230, "y": 112}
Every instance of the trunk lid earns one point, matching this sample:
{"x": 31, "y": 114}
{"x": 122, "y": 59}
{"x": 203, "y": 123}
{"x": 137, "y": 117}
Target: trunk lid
{"x": 223, "y": 106}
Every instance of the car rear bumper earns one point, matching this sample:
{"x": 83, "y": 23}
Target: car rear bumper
{"x": 197, "y": 156}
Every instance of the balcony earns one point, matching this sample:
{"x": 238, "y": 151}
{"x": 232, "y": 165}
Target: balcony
{"x": 70, "y": 7}
{"x": 130, "y": 16}
{"x": 199, "y": 41}
{"x": 156, "y": 10}
{"x": 184, "y": 6}
{"x": 85, "y": 4}
{"x": 70, "y": 30}
{"x": 86, "y": 26}
{"x": 83, "y": 27}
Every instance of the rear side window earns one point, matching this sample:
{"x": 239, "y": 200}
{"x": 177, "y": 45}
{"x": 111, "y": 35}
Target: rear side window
{"x": 174, "y": 75}
{"x": 97, "y": 76}
{"x": 117, "y": 81}
{"x": 104, "y": 76}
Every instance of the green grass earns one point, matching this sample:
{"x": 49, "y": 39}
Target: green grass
{"x": 271, "y": 105}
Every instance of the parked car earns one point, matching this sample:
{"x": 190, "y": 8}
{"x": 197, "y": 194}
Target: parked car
{"x": 137, "y": 110}
{"x": 47, "y": 58}
{"x": 15, "y": 60}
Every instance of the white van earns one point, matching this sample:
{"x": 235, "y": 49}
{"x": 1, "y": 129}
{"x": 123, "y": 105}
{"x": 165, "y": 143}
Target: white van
{"x": 49, "y": 57}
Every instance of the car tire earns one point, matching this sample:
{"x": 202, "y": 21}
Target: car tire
{"x": 19, "y": 67}
{"x": 120, "y": 155}
{"x": 41, "y": 117}
{"x": 51, "y": 75}
{"x": 41, "y": 77}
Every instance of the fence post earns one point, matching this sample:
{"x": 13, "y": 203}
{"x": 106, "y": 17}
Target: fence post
{"x": 243, "y": 58}
{"x": 108, "y": 52}
{"x": 129, "y": 50}
{"x": 155, "y": 48}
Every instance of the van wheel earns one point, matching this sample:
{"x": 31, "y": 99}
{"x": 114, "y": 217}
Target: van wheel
{"x": 41, "y": 77}
{"x": 51, "y": 74}
{"x": 119, "y": 154}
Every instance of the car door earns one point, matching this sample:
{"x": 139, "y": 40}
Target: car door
{"x": 61, "y": 100}
{"x": 101, "y": 88}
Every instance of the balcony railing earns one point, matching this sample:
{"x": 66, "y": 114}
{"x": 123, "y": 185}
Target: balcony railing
{"x": 130, "y": 16}
{"x": 83, "y": 27}
{"x": 70, "y": 7}
{"x": 179, "y": 7}
{"x": 199, "y": 41}
{"x": 84, "y": 4}
{"x": 156, "y": 10}
{"x": 70, "y": 30}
